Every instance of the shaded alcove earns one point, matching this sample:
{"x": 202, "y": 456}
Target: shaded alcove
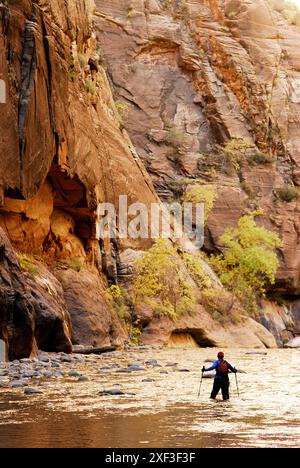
{"x": 190, "y": 338}
{"x": 70, "y": 196}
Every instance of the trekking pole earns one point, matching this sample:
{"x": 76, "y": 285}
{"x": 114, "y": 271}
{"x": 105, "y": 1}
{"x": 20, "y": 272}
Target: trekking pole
{"x": 237, "y": 385}
{"x": 200, "y": 385}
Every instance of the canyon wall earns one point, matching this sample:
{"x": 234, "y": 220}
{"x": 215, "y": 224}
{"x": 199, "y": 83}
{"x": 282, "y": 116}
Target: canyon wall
{"x": 213, "y": 96}
{"x": 199, "y": 75}
{"x": 63, "y": 151}
{"x": 137, "y": 98}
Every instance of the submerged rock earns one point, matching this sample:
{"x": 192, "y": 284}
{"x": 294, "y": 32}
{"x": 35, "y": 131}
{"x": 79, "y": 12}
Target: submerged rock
{"x": 43, "y": 358}
{"x": 30, "y": 374}
{"x": 32, "y": 391}
{"x": 66, "y": 359}
{"x": 59, "y": 374}
{"x": 18, "y": 384}
{"x": 74, "y": 373}
{"x": 113, "y": 391}
{"x": 55, "y": 364}
{"x": 82, "y": 378}
{"x": 152, "y": 363}
{"x": 135, "y": 368}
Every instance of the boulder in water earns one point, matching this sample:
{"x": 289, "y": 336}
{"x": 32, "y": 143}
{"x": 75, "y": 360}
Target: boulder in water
{"x": 135, "y": 368}
{"x": 82, "y": 378}
{"x": 32, "y": 391}
{"x": 294, "y": 343}
{"x": 114, "y": 392}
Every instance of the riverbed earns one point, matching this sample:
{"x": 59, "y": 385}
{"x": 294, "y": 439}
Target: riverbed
{"x": 154, "y": 401}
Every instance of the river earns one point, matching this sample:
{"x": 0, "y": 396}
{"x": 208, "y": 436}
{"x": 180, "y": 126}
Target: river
{"x": 164, "y": 410}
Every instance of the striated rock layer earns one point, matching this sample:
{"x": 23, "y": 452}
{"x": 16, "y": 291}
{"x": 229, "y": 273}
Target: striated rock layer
{"x": 63, "y": 151}
{"x": 198, "y": 74}
{"x": 187, "y": 78}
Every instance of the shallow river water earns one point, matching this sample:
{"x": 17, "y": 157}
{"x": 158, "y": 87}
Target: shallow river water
{"x": 164, "y": 410}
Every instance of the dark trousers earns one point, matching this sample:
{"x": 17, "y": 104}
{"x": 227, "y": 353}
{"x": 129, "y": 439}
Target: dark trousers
{"x": 221, "y": 384}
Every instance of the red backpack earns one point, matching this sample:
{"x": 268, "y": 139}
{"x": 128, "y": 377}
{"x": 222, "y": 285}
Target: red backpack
{"x": 223, "y": 368}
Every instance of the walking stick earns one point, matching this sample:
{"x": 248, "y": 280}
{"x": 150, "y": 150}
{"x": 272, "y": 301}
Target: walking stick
{"x": 200, "y": 385}
{"x": 237, "y": 385}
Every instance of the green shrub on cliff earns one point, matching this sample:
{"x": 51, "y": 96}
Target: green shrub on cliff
{"x": 28, "y": 264}
{"x": 75, "y": 264}
{"x": 205, "y": 194}
{"x": 248, "y": 189}
{"x": 233, "y": 152}
{"x": 196, "y": 271}
{"x": 160, "y": 282}
{"x": 215, "y": 300}
{"x": 176, "y": 137}
{"x": 124, "y": 308}
{"x": 90, "y": 86}
{"x": 82, "y": 59}
{"x": 249, "y": 263}
{"x": 132, "y": 13}
{"x": 122, "y": 108}
{"x": 259, "y": 158}
{"x": 288, "y": 193}
{"x": 121, "y": 301}
{"x": 237, "y": 145}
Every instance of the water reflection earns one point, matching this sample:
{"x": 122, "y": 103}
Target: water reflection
{"x": 163, "y": 413}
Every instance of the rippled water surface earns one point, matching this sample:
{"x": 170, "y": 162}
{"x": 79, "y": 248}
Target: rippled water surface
{"x": 165, "y": 412}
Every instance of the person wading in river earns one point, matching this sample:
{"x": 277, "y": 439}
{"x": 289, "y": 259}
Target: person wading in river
{"x": 221, "y": 381}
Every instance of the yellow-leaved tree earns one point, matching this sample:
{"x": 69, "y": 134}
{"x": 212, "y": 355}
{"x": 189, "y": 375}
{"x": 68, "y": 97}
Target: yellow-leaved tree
{"x": 161, "y": 283}
{"x": 206, "y": 194}
{"x": 249, "y": 262}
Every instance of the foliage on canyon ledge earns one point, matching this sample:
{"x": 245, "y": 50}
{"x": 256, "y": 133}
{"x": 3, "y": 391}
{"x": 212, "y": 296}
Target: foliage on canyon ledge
{"x": 249, "y": 262}
{"x": 125, "y": 309}
{"x": 161, "y": 282}
{"x": 205, "y": 194}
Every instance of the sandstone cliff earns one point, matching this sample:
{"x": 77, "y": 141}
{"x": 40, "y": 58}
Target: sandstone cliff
{"x": 63, "y": 151}
{"x": 213, "y": 94}
{"x": 193, "y": 76}
{"x": 196, "y": 74}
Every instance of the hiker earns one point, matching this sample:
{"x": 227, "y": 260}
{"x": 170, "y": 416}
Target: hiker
{"x": 221, "y": 381}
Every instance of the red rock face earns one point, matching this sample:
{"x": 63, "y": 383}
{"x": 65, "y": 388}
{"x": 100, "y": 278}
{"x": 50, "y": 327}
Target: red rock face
{"x": 17, "y": 311}
{"x": 197, "y": 74}
{"x": 93, "y": 320}
{"x": 63, "y": 151}
{"x": 188, "y": 78}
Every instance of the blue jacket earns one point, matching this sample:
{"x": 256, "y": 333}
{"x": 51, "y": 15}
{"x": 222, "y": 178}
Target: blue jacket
{"x": 215, "y": 367}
